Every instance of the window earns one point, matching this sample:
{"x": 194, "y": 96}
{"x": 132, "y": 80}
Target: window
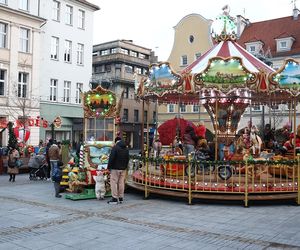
{"x": 256, "y": 108}
{"x": 114, "y": 51}
{"x": 283, "y": 45}
{"x": 191, "y": 38}
{"x": 126, "y": 92}
{"x": 145, "y": 116}
{"x": 80, "y": 48}
{"x": 3, "y": 1}
{"x": 197, "y": 55}
{"x": 125, "y": 115}
{"x": 67, "y": 91}
{"x": 54, "y": 47}
{"x": 252, "y": 48}
{"x": 124, "y": 51}
{"x": 183, "y": 60}
{"x": 133, "y": 53}
{"x": 53, "y": 90}
{"x": 136, "y": 115}
{"x": 128, "y": 69}
{"x": 196, "y": 108}
{"x": 2, "y": 81}
{"x": 182, "y": 108}
{"x": 79, "y": 87}
{"x": 154, "y": 117}
{"x": 22, "y": 84}
{"x": 24, "y": 5}
{"x": 3, "y": 35}
{"x": 69, "y": 15}
{"x": 68, "y": 51}
{"x": 142, "y": 56}
{"x": 104, "y": 52}
{"x": 138, "y": 70}
{"x": 24, "y": 40}
{"x": 107, "y": 68}
{"x": 171, "y": 108}
{"x": 56, "y": 10}
{"x": 81, "y": 19}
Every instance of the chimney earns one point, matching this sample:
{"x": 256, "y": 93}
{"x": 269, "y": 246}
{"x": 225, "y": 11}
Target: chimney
{"x": 242, "y": 23}
{"x": 296, "y": 13}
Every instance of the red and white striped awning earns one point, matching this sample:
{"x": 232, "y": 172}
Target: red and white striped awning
{"x": 227, "y": 49}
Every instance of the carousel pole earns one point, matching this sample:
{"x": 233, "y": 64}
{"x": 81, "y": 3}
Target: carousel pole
{"x": 156, "y": 117}
{"x": 147, "y": 119}
{"x": 216, "y": 131}
{"x": 142, "y": 129}
{"x": 295, "y": 111}
{"x": 84, "y": 129}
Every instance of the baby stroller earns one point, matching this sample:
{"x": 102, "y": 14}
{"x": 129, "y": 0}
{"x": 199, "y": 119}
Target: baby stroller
{"x": 37, "y": 167}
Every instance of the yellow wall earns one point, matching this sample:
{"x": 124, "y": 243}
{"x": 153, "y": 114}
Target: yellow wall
{"x": 199, "y": 28}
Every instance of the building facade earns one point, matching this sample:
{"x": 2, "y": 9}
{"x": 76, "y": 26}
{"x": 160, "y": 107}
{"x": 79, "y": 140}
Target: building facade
{"x": 66, "y": 65}
{"x": 191, "y": 40}
{"x": 20, "y": 38}
{"x": 117, "y": 65}
{"x": 52, "y": 42}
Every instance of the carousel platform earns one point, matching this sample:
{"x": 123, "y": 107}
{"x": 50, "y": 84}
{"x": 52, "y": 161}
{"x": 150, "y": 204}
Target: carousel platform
{"x": 272, "y": 182}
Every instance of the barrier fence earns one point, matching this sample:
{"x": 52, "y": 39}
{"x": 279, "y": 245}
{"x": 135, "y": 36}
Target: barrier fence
{"x": 242, "y": 180}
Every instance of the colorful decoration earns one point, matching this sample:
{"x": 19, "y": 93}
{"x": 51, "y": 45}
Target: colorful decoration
{"x": 288, "y": 76}
{"x": 99, "y": 102}
{"x": 224, "y": 27}
{"x": 162, "y": 78}
{"x": 225, "y": 73}
{"x": 22, "y": 134}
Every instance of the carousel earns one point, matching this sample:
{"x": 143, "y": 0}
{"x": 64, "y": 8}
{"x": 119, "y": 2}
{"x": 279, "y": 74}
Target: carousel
{"x": 238, "y": 163}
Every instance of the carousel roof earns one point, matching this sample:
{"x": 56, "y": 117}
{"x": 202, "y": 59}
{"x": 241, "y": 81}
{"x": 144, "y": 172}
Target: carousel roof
{"x": 228, "y": 49}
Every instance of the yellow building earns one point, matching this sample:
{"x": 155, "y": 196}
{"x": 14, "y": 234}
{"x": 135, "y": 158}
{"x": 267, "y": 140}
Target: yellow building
{"x": 191, "y": 40}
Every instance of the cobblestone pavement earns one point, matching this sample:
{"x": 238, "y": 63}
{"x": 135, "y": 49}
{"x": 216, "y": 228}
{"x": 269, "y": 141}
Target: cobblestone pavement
{"x": 32, "y": 218}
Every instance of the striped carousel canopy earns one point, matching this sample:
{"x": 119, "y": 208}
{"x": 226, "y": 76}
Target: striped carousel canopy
{"x": 228, "y": 49}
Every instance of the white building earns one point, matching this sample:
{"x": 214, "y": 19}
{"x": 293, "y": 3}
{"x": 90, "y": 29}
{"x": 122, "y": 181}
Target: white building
{"x": 66, "y": 64}
{"x": 19, "y": 65}
{"x": 45, "y": 61}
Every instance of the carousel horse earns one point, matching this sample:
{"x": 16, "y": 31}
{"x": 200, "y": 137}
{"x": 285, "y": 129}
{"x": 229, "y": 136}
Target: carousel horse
{"x": 256, "y": 141}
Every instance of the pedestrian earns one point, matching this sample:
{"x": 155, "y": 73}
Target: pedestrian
{"x": 50, "y": 142}
{"x": 55, "y": 163}
{"x": 117, "y": 164}
{"x": 189, "y": 140}
{"x": 13, "y": 168}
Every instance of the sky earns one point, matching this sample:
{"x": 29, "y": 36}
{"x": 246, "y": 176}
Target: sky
{"x": 150, "y": 23}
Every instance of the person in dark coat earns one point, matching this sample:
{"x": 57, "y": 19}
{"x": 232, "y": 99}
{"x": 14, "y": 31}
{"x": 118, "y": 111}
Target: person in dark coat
{"x": 117, "y": 164}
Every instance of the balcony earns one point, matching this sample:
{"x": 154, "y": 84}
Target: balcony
{"x": 118, "y": 57}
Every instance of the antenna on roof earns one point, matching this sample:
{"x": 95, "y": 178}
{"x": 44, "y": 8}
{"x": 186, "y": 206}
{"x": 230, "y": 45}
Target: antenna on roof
{"x": 294, "y": 2}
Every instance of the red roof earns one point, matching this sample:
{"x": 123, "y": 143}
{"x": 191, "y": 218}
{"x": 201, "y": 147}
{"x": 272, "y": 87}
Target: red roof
{"x": 267, "y": 31}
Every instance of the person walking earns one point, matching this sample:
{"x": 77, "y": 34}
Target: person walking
{"x": 117, "y": 164}
{"x": 12, "y": 168}
{"x": 56, "y": 172}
